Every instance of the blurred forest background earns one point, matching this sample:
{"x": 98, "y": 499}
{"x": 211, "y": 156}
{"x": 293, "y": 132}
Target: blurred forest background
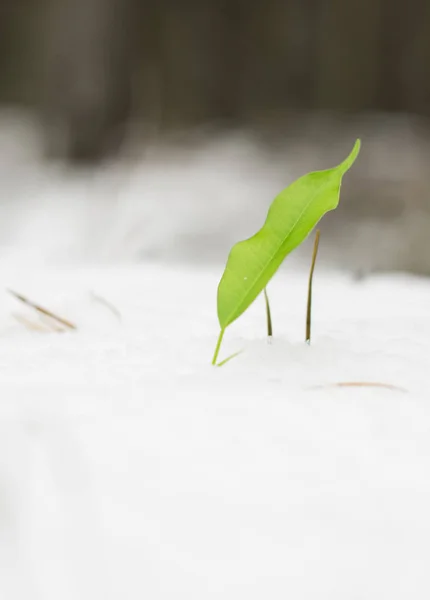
{"x": 88, "y": 66}
{"x": 307, "y": 76}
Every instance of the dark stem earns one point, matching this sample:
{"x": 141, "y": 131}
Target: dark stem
{"x": 268, "y": 314}
{"x": 311, "y": 276}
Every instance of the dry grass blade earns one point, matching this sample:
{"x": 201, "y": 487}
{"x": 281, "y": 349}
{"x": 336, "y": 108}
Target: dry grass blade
{"x": 228, "y": 359}
{"x": 107, "y": 304}
{"x": 311, "y": 277}
{"x": 363, "y": 384}
{"x": 42, "y": 311}
{"x": 52, "y": 324}
{"x": 31, "y": 325}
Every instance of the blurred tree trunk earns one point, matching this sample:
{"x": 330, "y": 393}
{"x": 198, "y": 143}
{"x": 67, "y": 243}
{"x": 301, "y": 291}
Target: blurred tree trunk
{"x": 279, "y": 42}
{"x": 188, "y": 62}
{"x": 414, "y": 65}
{"x": 89, "y": 58}
{"x": 199, "y": 60}
{"x": 19, "y": 33}
{"x": 348, "y": 50}
{"x": 395, "y": 23}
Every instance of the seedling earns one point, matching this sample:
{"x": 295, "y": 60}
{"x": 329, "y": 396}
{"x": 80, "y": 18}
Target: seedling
{"x": 292, "y": 216}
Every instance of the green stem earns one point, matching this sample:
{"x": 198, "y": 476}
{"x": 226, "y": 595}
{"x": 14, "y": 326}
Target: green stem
{"x": 311, "y": 276}
{"x": 268, "y": 314}
{"x": 218, "y": 346}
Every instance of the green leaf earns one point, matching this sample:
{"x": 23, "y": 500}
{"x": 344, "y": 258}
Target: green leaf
{"x": 291, "y": 217}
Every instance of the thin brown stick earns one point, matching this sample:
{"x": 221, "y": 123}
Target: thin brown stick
{"x": 368, "y": 384}
{"x": 311, "y": 276}
{"x": 268, "y": 315}
{"x": 52, "y": 324}
{"x": 42, "y": 310}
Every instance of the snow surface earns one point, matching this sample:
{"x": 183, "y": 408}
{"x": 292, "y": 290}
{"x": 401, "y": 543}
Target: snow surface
{"x": 131, "y": 468}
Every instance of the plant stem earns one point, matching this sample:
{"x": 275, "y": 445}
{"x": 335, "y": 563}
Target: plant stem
{"x": 268, "y": 314}
{"x": 218, "y": 346}
{"x": 311, "y": 276}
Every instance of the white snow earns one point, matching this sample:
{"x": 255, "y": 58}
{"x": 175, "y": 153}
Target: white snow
{"x": 131, "y": 468}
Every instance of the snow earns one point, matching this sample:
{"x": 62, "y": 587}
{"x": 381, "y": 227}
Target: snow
{"x": 131, "y": 468}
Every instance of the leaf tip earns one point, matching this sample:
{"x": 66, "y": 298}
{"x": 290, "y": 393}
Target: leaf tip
{"x": 356, "y": 148}
{"x": 349, "y": 161}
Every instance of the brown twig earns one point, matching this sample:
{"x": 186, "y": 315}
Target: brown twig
{"x": 42, "y": 310}
{"x": 311, "y": 276}
{"x": 52, "y": 324}
{"x": 368, "y": 384}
